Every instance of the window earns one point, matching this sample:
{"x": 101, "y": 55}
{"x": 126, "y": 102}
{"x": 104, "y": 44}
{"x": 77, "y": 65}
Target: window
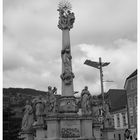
{"x": 130, "y": 102}
{"x": 124, "y": 119}
{"x": 135, "y": 100}
{"x": 133, "y": 84}
{"x": 135, "y": 104}
{"x": 113, "y": 123}
{"x": 131, "y": 120}
{"x": 118, "y": 120}
{"x": 119, "y": 136}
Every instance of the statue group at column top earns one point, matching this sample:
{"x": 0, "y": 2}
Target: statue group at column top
{"x": 66, "y": 18}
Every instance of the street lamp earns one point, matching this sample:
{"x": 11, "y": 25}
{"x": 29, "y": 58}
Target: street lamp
{"x": 99, "y": 66}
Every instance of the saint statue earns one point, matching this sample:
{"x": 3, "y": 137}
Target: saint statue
{"x": 52, "y": 99}
{"x": 86, "y": 101}
{"x": 39, "y": 110}
{"x": 108, "y": 118}
{"x": 27, "y": 120}
{"x": 66, "y": 58}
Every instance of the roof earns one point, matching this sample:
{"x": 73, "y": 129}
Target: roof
{"x": 117, "y": 99}
{"x": 132, "y": 75}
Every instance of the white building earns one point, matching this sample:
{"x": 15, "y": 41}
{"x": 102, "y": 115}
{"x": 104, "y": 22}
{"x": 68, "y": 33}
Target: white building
{"x": 117, "y": 100}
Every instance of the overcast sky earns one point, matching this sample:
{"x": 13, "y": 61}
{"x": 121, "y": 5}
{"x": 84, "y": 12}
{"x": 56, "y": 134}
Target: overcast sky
{"x": 33, "y": 42}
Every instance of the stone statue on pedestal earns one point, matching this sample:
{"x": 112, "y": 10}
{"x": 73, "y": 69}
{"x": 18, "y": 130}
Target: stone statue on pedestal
{"x": 66, "y": 19}
{"x": 86, "y": 101}
{"x": 28, "y": 117}
{"x": 108, "y": 118}
{"x": 39, "y": 110}
{"x": 66, "y": 59}
{"x": 52, "y": 99}
{"x": 67, "y": 76}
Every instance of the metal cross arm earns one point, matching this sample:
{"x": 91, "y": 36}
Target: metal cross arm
{"x": 96, "y": 64}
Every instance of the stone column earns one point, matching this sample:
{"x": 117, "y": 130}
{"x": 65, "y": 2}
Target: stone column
{"x": 67, "y": 75}
{"x": 66, "y": 20}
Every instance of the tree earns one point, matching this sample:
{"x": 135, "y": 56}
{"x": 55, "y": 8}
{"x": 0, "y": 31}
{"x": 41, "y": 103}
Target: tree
{"x": 11, "y": 125}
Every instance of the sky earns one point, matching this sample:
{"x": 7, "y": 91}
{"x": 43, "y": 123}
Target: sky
{"x": 32, "y": 43}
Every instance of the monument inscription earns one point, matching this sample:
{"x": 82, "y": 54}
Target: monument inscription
{"x": 70, "y": 129}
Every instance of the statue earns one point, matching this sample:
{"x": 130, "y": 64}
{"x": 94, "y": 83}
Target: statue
{"x": 51, "y": 100}
{"x": 27, "y": 120}
{"x": 66, "y": 59}
{"x": 39, "y": 110}
{"x": 67, "y": 75}
{"x": 66, "y": 17}
{"x": 86, "y": 101}
{"x": 108, "y": 118}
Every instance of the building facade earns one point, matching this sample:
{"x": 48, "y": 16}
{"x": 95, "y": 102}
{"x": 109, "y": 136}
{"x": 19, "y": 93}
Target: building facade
{"x": 131, "y": 90}
{"x": 117, "y": 101}
{"x": 120, "y": 123}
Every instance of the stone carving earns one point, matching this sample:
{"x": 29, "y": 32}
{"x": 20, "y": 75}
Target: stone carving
{"x": 66, "y": 59}
{"x": 67, "y": 75}
{"x": 97, "y": 113}
{"x": 52, "y": 98}
{"x": 86, "y": 101}
{"x": 70, "y": 132}
{"x": 107, "y": 116}
{"x": 39, "y": 110}
{"x": 68, "y": 104}
{"x": 66, "y": 18}
{"x": 27, "y": 120}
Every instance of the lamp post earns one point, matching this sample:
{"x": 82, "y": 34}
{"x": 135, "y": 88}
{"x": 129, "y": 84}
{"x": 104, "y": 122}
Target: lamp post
{"x": 99, "y": 66}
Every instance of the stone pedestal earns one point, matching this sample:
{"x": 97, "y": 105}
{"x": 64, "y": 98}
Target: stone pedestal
{"x": 97, "y": 131}
{"x": 53, "y": 129}
{"x": 108, "y": 133}
{"x": 27, "y": 135}
{"x": 41, "y": 133}
{"x": 66, "y": 127}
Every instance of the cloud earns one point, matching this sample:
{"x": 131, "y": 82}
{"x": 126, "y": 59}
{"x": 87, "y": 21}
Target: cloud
{"x": 103, "y": 21}
{"x": 32, "y": 43}
{"x": 122, "y": 56}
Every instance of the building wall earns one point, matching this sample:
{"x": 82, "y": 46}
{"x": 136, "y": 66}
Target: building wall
{"x": 131, "y": 89}
{"x": 120, "y": 119}
{"x": 119, "y": 134}
{"x": 120, "y": 123}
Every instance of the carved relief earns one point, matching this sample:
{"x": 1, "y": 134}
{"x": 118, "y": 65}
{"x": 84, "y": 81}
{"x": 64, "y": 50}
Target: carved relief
{"x": 68, "y": 105}
{"x": 70, "y": 132}
{"x": 67, "y": 77}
